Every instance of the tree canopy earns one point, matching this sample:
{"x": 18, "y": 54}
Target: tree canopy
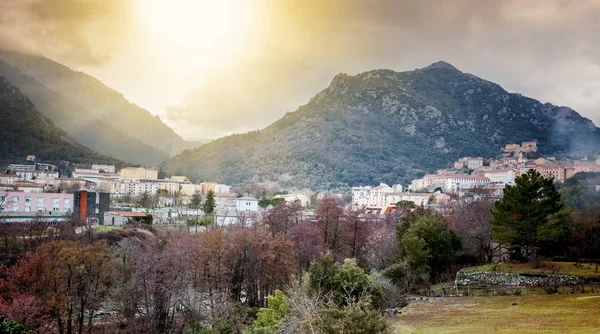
{"x": 527, "y": 213}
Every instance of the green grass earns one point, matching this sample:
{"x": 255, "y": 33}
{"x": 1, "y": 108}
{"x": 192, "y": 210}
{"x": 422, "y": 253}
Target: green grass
{"x": 578, "y": 313}
{"x": 563, "y": 268}
{"x": 106, "y": 228}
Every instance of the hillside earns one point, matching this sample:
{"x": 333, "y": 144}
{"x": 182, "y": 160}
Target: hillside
{"x": 86, "y": 129}
{"x": 26, "y": 131}
{"x": 386, "y": 126}
{"x": 75, "y": 100}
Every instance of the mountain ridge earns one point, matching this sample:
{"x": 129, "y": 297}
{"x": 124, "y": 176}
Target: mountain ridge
{"x": 387, "y": 126}
{"x": 26, "y": 131}
{"x": 100, "y": 103}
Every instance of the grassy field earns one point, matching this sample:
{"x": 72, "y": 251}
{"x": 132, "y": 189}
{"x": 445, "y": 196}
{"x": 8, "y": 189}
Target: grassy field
{"x": 563, "y": 268}
{"x": 578, "y": 313}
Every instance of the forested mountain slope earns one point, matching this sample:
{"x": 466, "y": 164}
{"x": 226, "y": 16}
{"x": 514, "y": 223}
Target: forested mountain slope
{"x": 386, "y": 126}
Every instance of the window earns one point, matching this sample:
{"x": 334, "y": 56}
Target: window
{"x": 55, "y": 201}
{"x": 27, "y": 209}
{"x": 15, "y": 208}
{"x": 67, "y": 202}
{"x": 15, "y": 199}
{"x": 55, "y": 208}
{"x": 40, "y": 200}
{"x": 27, "y": 199}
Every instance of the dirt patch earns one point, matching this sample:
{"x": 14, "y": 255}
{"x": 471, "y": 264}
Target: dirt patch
{"x": 589, "y": 297}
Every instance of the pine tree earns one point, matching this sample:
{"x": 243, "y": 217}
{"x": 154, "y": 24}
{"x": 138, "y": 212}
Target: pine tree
{"x": 209, "y": 204}
{"x": 522, "y": 217}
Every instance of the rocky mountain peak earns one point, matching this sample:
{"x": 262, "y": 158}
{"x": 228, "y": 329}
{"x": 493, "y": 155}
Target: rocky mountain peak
{"x": 441, "y": 65}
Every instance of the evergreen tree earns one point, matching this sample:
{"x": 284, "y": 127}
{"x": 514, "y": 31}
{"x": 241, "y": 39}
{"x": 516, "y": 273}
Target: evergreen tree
{"x": 523, "y": 217}
{"x": 195, "y": 200}
{"x": 209, "y": 204}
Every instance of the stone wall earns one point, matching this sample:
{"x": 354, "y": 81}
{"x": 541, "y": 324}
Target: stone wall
{"x": 511, "y": 279}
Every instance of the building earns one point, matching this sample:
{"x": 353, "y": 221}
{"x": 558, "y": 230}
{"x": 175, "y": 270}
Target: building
{"x": 54, "y": 203}
{"x": 501, "y": 176}
{"x": 513, "y": 148}
{"x": 104, "y": 168}
{"x": 430, "y": 182}
{"x": 134, "y": 173}
{"x": 246, "y": 203}
{"x": 360, "y": 195}
{"x": 119, "y": 218}
{"x": 46, "y": 167}
{"x": 189, "y": 189}
{"x": 222, "y": 189}
{"x": 244, "y": 212}
{"x": 90, "y": 206}
{"x": 458, "y": 182}
{"x": 529, "y": 146}
{"x": 28, "y": 174}
{"x": 205, "y": 187}
{"x": 9, "y": 179}
{"x": 14, "y": 167}
{"x": 93, "y": 175}
{"x": 474, "y": 163}
{"x": 299, "y": 198}
{"x": 579, "y": 166}
{"x": 23, "y": 187}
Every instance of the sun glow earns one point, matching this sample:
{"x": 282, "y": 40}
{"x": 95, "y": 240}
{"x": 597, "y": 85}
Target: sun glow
{"x": 209, "y": 26}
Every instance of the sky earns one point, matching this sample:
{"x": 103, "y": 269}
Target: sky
{"x": 210, "y": 68}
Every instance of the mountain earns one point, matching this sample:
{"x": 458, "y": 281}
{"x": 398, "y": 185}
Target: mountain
{"x": 26, "y": 131}
{"x": 91, "y": 112}
{"x": 92, "y": 132}
{"x": 386, "y": 126}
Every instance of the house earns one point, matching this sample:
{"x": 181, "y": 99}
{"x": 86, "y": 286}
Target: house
{"x": 360, "y": 195}
{"x": 291, "y": 198}
{"x": 244, "y": 212}
{"x": 120, "y": 218}
{"x": 246, "y": 203}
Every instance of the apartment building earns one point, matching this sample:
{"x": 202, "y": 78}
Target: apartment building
{"x": 134, "y": 173}
{"x": 455, "y": 183}
{"x": 17, "y": 201}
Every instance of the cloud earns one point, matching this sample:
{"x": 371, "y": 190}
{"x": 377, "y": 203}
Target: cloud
{"x": 77, "y": 32}
{"x": 546, "y": 49}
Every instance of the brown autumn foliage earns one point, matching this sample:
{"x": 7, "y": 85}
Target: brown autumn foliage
{"x": 71, "y": 279}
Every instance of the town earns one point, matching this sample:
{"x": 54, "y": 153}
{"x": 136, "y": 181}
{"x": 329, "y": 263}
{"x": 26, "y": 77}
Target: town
{"x": 34, "y": 190}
